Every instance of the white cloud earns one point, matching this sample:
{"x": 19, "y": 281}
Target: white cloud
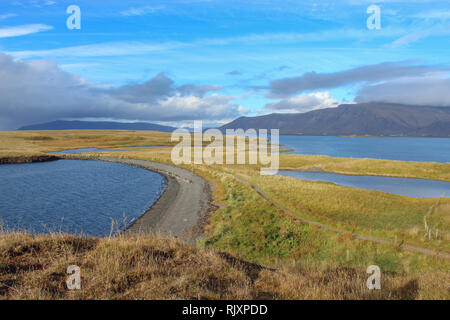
{"x": 441, "y": 14}
{"x": 142, "y": 11}
{"x": 7, "y": 15}
{"x": 33, "y": 3}
{"x": 208, "y": 107}
{"x": 23, "y": 30}
{"x": 122, "y": 48}
{"x": 303, "y": 103}
{"x": 106, "y": 49}
{"x": 319, "y": 36}
{"x": 425, "y": 91}
{"x": 441, "y": 30}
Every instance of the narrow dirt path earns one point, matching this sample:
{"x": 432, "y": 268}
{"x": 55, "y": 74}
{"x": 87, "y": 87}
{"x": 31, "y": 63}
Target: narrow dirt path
{"x": 412, "y": 248}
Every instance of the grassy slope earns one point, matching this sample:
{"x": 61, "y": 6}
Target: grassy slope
{"x": 251, "y": 228}
{"x": 356, "y": 210}
{"x": 34, "y": 267}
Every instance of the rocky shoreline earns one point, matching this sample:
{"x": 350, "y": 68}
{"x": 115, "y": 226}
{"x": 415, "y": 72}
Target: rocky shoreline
{"x": 181, "y": 211}
{"x": 27, "y": 159}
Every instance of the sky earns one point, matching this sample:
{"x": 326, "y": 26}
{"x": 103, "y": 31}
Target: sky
{"x": 175, "y": 61}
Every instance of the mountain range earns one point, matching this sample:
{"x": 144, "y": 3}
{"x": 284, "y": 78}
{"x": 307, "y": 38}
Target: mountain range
{"x": 369, "y": 119}
{"x": 97, "y": 125}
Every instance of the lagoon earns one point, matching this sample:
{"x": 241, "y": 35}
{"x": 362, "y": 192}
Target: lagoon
{"x": 416, "y": 188}
{"x": 75, "y": 196}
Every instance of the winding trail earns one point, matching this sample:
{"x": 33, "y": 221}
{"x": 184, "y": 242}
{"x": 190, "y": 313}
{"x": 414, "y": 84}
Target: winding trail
{"x": 412, "y": 248}
{"x": 181, "y": 211}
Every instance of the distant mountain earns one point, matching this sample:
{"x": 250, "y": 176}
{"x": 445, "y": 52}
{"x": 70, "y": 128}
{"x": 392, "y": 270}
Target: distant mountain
{"x": 97, "y": 125}
{"x": 369, "y": 119}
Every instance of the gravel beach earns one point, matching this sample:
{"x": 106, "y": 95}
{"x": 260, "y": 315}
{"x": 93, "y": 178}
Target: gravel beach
{"x": 182, "y": 209}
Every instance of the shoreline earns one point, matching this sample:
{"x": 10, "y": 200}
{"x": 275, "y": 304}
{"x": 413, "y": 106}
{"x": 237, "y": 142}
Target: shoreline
{"x": 28, "y": 159}
{"x": 320, "y": 170}
{"x": 181, "y": 211}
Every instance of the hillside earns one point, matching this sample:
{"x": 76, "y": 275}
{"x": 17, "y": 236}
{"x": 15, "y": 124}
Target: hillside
{"x": 96, "y": 125}
{"x": 34, "y": 267}
{"x": 372, "y": 119}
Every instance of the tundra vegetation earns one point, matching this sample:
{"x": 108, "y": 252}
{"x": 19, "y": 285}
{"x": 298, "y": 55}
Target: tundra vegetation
{"x": 251, "y": 248}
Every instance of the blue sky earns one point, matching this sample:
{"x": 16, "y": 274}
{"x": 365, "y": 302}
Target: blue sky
{"x": 173, "y": 61}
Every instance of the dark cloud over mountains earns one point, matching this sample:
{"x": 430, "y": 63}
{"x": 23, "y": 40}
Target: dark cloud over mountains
{"x": 417, "y": 91}
{"x": 369, "y": 74}
{"x": 38, "y": 91}
{"x": 160, "y": 87}
{"x": 390, "y": 82}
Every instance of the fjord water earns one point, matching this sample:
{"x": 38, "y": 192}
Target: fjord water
{"x": 392, "y": 148}
{"x": 95, "y": 150}
{"x": 75, "y": 196}
{"x": 416, "y": 188}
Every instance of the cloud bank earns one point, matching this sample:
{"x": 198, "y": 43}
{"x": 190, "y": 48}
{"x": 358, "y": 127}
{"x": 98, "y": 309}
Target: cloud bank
{"x": 303, "y": 103}
{"x": 370, "y": 74}
{"x": 416, "y": 91}
{"x": 39, "y": 91}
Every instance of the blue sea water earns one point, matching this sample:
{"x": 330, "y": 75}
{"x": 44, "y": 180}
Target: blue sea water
{"x": 392, "y": 148}
{"x": 75, "y": 196}
{"x": 416, "y": 188}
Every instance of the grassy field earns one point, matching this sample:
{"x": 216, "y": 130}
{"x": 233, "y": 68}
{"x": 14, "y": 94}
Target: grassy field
{"x": 251, "y": 228}
{"x": 356, "y": 210}
{"x": 375, "y": 167}
{"x": 34, "y": 142}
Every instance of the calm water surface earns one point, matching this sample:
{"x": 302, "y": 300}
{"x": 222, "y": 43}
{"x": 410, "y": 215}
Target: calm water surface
{"x": 75, "y": 196}
{"x": 95, "y": 150}
{"x": 417, "y": 188}
{"x": 405, "y": 149}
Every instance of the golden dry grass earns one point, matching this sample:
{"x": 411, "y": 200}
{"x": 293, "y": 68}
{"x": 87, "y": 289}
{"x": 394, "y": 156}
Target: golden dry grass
{"x": 389, "y": 168}
{"x": 34, "y": 267}
{"x": 36, "y": 142}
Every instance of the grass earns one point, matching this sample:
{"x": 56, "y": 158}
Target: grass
{"x": 34, "y": 267}
{"x": 369, "y": 212}
{"x": 375, "y": 167}
{"x": 252, "y": 229}
{"x": 438, "y": 221}
{"x": 35, "y": 142}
